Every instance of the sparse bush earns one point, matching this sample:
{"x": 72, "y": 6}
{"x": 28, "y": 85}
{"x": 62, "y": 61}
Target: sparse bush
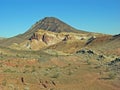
{"x": 16, "y": 66}
{"x": 27, "y": 66}
{"x": 107, "y": 69}
{"x": 88, "y": 62}
{"x": 17, "y": 55}
{"x": 16, "y": 88}
{"x": 33, "y": 69}
{"x": 26, "y": 88}
{"x": 45, "y": 74}
{"x": 1, "y": 65}
{"x": 51, "y": 88}
{"x": 9, "y": 70}
{"x": 1, "y": 53}
{"x": 1, "y": 57}
{"x": 26, "y": 71}
{"x": 70, "y": 73}
{"x": 56, "y": 75}
{"x": 11, "y": 87}
{"x": 97, "y": 67}
{"x": 39, "y": 67}
{"x": 69, "y": 64}
{"x": 112, "y": 75}
{"x": 4, "y": 82}
{"x": 56, "y": 54}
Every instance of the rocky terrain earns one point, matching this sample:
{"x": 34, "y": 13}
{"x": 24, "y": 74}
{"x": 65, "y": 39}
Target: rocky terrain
{"x": 52, "y": 55}
{"x": 48, "y": 24}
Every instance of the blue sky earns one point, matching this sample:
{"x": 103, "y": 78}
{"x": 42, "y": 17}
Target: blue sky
{"x": 17, "y": 16}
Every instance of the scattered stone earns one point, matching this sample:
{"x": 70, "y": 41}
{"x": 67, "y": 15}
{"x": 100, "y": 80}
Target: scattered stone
{"x": 90, "y": 52}
{"x": 81, "y": 51}
{"x": 114, "y": 61}
{"x": 101, "y": 57}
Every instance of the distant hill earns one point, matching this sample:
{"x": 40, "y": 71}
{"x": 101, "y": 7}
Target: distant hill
{"x": 116, "y": 37}
{"x": 1, "y": 38}
{"x": 53, "y": 33}
{"x": 51, "y": 24}
{"x": 48, "y": 23}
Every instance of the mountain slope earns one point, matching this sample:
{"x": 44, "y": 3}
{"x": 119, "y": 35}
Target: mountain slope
{"x": 104, "y": 44}
{"x": 48, "y": 23}
{"x": 107, "y": 44}
{"x": 43, "y": 38}
{"x": 1, "y": 38}
{"x": 51, "y": 24}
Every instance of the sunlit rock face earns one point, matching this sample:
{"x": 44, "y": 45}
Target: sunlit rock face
{"x": 43, "y": 38}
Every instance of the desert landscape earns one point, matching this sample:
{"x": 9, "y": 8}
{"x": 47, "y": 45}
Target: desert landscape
{"x": 52, "y": 55}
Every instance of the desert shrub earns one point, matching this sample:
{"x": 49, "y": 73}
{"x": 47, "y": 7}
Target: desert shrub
{"x": 4, "y": 82}
{"x": 11, "y": 87}
{"x": 16, "y": 88}
{"x": 69, "y": 64}
{"x": 1, "y": 57}
{"x": 56, "y": 75}
{"x": 107, "y": 69}
{"x": 26, "y": 88}
{"x": 56, "y": 54}
{"x": 1, "y": 64}
{"x": 17, "y": 55}
{"x": 9, "y": 70}
{"x": 33, "y": 69}
{"x": 27, "y": 66}
{"x": 111, "y": 75}
{"x": 70, "y": 73}
{"x": 51, "y": 88}
{"x": 26, "y": 71}
{"x": 88, "y": 62}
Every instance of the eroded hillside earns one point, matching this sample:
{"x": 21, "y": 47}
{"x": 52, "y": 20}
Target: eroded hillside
{"x": 52, "y": 55}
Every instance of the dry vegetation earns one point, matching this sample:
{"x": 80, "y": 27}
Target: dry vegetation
{"x": 42, "y": 71}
